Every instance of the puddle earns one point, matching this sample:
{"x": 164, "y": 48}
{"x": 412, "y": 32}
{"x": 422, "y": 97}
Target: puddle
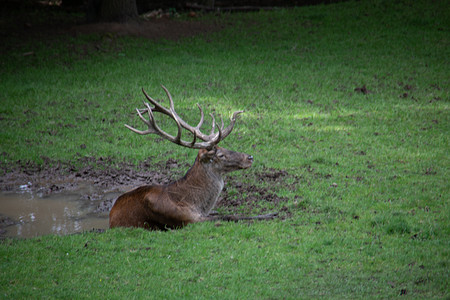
{"x": 29, "y": 214}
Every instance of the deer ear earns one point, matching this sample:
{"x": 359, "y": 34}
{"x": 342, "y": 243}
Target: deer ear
{"x": 207, "y": 155}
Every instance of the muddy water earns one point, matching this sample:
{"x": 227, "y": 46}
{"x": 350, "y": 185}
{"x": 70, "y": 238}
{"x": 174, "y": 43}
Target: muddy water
{"x": 28, "y": 214}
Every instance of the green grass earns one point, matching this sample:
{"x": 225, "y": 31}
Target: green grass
{"x": 370, "y": 206}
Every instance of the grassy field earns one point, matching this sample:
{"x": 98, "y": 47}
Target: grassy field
{"x": 350, "y": 99}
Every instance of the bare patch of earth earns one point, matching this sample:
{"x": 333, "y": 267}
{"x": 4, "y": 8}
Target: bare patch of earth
{"x": 21, "y": 25}
{"x": 101, "y": 173}
{"x": 106, "y": 176}
{"x": 155, "y": 29}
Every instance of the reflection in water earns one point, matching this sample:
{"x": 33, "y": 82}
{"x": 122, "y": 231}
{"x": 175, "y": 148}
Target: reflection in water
{"x": 62, "y": 213}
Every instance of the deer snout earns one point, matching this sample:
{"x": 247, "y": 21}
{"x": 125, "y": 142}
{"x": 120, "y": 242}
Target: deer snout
{"x": 250, "y": 158}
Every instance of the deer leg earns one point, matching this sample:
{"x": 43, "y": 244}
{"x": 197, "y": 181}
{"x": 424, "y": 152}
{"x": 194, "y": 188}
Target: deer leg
{"x": 236, "y": 218}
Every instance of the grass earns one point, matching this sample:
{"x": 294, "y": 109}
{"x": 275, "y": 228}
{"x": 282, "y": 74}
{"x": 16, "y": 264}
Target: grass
{"x": 351, "y": 99}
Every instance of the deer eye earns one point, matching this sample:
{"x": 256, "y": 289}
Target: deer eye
{"x": 220, "y": 155}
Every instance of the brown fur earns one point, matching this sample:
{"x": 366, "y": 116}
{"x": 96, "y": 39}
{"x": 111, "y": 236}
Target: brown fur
{"x": 188, "y": 200}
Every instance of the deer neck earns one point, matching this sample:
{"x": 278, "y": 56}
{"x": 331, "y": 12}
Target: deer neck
{"x": 199, "y": 188}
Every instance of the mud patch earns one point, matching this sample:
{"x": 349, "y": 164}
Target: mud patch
{"x": 257, "y": 193}
{"x": 28, "y": 215}
{"x": 104, "y": 175}
{"x": 100, "y": 181}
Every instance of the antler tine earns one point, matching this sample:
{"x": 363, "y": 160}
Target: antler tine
{"x": 213, "y": 126}
{"x": 194, "y": 139}
{"x": 179, "y": 121}
{"x": 158, "y": 107}
{"x": 197, "y": 128}
{"x": 229, "y": 128}
{"x": 218, "y": 138}
{"x": 172, "y": 107}
{"x": 221, "y": 120}
{"x": 143, "y": 111}
{"x": 201, "y": 117}
{"x": 149, "y": 122}
{"x": 173, "y": 114}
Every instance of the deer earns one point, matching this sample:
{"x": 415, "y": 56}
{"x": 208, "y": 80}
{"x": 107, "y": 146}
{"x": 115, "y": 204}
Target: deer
{"x": 191, "y": 198}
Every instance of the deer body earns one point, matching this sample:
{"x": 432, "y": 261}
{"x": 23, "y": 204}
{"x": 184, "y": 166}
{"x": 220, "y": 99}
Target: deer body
{"x": 191, "y": 198}
{"x": 188, "y": 200}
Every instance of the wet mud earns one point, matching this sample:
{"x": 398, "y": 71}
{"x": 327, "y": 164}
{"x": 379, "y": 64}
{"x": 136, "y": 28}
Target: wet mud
{"x": 101, "y": 181}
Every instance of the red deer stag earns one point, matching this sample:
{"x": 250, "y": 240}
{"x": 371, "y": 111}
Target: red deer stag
{"x": 191, "y": 198}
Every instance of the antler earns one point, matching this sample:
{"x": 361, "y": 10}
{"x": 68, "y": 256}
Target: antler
{"x": 209, "y": 141}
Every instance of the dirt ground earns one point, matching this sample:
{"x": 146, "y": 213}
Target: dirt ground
{"x": 21, "y": 25}
{"x": 161, "y": 28}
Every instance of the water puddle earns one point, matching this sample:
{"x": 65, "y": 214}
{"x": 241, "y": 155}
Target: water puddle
{"x": 26, "y": 214}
